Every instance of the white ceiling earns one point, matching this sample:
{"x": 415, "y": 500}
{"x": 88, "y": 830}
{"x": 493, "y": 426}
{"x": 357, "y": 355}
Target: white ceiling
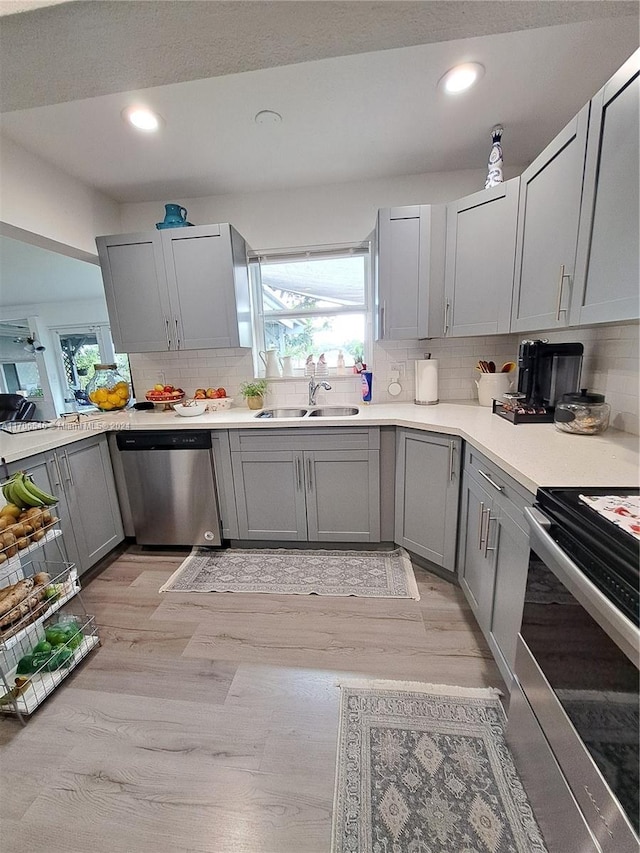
{"x": 29, "y": 275}
{"x": 349, "y": 118}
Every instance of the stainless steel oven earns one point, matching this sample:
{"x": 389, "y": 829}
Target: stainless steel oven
{"x": 573, "y": 718}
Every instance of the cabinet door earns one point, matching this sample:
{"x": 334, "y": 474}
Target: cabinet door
{"x": 409, "y": 279}
{"x": 343, "y": 495}
{"x": 607, "y": 271}
{"x": 427, "y": 491}
{"x": 135, "y": 286}
{"x": 476, "y": 565}
{"x": 511, "y": 565}
{"x": 91, "y": 494}
{"x": 270, "y": 496}
{"x": 200, "y": 273}
{"x": 46, "y": 474}
{"x": 548, "y": 217}
{"x": 481, "y": 245}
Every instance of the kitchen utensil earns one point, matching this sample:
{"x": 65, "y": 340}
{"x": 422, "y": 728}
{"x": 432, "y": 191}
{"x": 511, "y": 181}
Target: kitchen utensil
{"x": 582, "y": 413}
{"x": 492, "y": 367}
{"x": 270, "y": 360}
{"x": 492, "y": 386}
{"x": 508, "y": 366}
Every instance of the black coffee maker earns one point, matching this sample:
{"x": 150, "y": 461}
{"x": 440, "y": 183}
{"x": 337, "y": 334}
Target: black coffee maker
{"x": 545, "y": 372}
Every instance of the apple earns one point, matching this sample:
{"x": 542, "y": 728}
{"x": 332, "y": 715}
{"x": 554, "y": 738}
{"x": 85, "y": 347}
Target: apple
{"x": 222, "y": 392}
{"x": 211, "y": 393}
{"x": 200, "y": 391}
{"x": 200, "y": 395}
{"x": 157, "y": 388}
{"x": 168, "y": 389}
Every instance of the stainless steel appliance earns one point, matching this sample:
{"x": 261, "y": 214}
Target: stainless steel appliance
{"x": 545, "y": 372}
{"x": 573, "y": 718}
{"x": 171, "y": 487}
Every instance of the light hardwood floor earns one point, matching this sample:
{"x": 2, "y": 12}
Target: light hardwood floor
{"x": 208, "y": 723}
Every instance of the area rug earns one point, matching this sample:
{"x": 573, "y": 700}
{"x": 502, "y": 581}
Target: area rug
{"x": 425, "y": 768}
{"x": 372, "y": 574}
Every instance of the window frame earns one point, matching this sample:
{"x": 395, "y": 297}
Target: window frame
{"x": 339, "y": 250}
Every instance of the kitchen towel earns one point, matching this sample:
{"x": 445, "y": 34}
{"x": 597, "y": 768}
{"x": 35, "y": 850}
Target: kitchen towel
{"x": 426, "y": 382}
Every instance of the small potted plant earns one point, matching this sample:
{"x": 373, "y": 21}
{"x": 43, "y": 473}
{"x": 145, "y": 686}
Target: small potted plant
{"x": 254, "y": 392}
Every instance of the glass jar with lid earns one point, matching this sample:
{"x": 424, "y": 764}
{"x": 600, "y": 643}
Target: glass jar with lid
{"x": 108, "y": 390}
{"x": 582, "y": 412}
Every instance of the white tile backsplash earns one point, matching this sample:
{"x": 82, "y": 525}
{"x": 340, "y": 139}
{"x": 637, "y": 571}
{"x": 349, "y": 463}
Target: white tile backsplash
{"x": 610, "y": 367}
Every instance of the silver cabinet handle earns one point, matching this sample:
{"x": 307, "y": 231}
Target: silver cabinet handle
{"x": 177, "y": 335}
{"x": 166, "y": 325}
{"x": 451, "y": 465}
{"x": 480, "y": 525}
{"x": 559, "y": 308}
{"x": 383, "y": 319}
{"x": 309, "y": 474}
{"x": 486, "y": 534}
{"x": 298, "y": 473}
{"x": 447, "y": 306}
{"x": 56, "y": 463}
{"x": 66, "y": 462}
{"x": 489, "y": 480}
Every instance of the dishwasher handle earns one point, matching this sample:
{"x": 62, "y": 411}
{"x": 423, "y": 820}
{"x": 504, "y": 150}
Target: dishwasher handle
{"x": 163, "y": 440}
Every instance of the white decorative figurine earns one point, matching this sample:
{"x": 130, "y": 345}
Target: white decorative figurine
{"x": 494, "y": 175}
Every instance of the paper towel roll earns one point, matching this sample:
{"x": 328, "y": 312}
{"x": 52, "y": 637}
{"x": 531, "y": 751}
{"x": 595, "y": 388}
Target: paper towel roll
{"x": 427, "y": 382}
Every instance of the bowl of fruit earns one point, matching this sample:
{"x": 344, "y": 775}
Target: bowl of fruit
{"x": 216, "y": 398}
{"x": 165, "y": 395}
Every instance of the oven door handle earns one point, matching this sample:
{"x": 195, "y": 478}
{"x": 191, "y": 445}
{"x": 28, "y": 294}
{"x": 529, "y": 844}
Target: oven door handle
{"x": 621, "y": 630}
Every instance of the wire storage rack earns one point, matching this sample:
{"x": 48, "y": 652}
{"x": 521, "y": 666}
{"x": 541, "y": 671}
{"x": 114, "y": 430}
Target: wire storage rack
{"x": 40, "y": 643}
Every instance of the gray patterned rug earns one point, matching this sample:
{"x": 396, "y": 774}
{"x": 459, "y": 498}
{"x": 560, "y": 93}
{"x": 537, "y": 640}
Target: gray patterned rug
{"x": 372, "y": 574}
{"x": 425, "y": 769}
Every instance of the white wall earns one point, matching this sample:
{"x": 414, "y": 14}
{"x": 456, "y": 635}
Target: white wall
{"x": 310, "y": 216}
{"x": 39, "y": 198}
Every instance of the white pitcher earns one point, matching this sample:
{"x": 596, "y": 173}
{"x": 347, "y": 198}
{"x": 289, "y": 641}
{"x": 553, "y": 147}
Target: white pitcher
{"x": 270, "y": 360}
{"x": 492, "y": 386}
{"x": 287, "y": 366}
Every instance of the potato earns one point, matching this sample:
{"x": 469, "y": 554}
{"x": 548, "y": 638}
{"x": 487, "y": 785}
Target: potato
{"x": 34, "y": 516}
{"x": 3, "y": 557}
{"x": 37, "y": 535}
{"x": 18, "y": 530}
{"x": 6, "y": 521}
{"x": 22, "y": 543}
{"x": 28, "y": 529}
{"x": 46, "y": 516}
{"x": 41, "y": 578}
{"x": 8, "y": 543}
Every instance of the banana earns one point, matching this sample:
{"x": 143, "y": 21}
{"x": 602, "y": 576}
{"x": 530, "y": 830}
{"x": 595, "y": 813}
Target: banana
{"x": 7, "y": 491}
{"x": 21, "y": 497}
{"x": 37, "y": 493}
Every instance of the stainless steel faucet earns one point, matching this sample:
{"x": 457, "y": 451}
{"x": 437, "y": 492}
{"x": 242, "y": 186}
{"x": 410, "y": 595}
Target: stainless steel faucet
{"x": 313, "y": 390}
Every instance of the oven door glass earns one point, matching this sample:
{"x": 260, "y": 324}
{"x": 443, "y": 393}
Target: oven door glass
{"x": 595, "y": 682}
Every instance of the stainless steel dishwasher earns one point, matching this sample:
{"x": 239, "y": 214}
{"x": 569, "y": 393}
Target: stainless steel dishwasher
{"x": 171, "y": 487}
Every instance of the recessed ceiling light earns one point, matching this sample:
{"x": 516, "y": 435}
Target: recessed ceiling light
{"x": 267, "y": 117}
{"x": 142, "y": 118}
{"x": 461, "y": 77}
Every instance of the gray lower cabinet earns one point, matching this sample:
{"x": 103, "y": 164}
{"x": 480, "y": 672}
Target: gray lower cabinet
{"x": 547, "y": 236}
{"x": 80, "y": 475}
{"x": 409, "y": 280}
{"x": 493, "y": 554}
{"x": 322, "y": 486}
{"x": 607, "y": 264}
{"x": 176, "y": 289}
{"x": 427, "y": 493}
{"x": 481, "y": 245}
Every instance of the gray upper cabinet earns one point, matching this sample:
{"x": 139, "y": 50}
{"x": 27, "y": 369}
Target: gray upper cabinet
{"x": 178, "y": 288}
{"x": 548, "y": 218}
{"x": 607, "y": 272}
{"x": 427, "y": 491}
{"x": 409, "y": 282}
{"x": 481, "y": 244}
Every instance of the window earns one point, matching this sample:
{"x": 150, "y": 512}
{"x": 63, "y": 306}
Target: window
{"x": 82, "y": 347}
{"x": 313, "y": 302}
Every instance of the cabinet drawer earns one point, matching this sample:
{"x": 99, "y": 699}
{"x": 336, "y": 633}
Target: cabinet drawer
{"x": 328, "y": 438}
{"x": 508, "y": 494}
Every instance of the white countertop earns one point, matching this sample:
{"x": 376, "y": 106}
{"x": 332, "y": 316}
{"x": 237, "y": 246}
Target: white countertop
{"x": 533, "y": 454}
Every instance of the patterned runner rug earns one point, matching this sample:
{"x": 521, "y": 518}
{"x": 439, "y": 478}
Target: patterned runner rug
{"x": 373, "y": 574}
{"x": 424, "y": 768}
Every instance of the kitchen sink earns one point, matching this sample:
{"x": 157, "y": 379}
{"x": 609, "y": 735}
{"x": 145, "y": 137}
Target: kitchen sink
{"x": 281, "y": 413}
{"x": 334, "y": 411}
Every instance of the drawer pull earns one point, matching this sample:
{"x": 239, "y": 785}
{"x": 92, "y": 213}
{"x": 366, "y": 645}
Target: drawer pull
{"x": 480, "y": 523}
{"x": 486, "y": 540}
{"x": 489, "y": 480}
